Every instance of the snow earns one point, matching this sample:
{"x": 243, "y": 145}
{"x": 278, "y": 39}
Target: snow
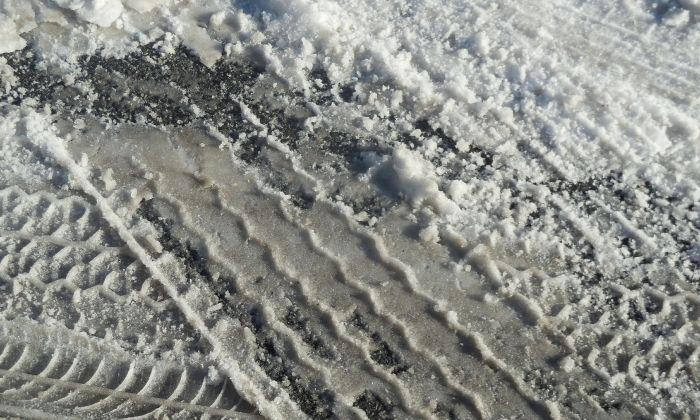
{"x": 547, "y": 154}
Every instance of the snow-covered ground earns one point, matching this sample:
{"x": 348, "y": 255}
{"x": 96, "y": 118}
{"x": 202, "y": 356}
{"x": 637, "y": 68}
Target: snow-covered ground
{"x": 350, "y": 209}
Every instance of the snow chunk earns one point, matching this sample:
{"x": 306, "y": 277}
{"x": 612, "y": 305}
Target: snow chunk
{"x": 108, "y": 180}
{"x": 407, "y": 173}
{"x": 196, "y": 38}
{"x": 9, "y": 38}
{"x": 567, "y": 364}
{"x": 677, "y": 18}
{"x": 452, "y": 318}
{"x": 141, "y": 6}
{"x": 429, "y": 234}
{"x": 100, "y": 12}
{"x": 457, "y": 190}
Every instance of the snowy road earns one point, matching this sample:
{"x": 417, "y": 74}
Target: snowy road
{"x": 349, "y": 209}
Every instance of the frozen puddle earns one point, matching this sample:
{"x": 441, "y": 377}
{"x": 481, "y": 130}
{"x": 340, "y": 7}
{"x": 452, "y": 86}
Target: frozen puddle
{"x": 330, "y": 209}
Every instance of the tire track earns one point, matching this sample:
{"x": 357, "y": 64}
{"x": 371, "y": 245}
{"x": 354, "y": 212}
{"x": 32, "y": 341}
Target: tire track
{"x": 31, "y": 378}
{"x": 661, "y": 47}
{"x": 193, "y": 204}
{"x": 106, "y": 392}
{"x": 471, "y": 339}
{"x": 52, "y": 148}
{"x": 233, "y": 252}
{"x": 483, "y": 352}
{"x": 393, "y": 265}
{"x": 409, "y": 281}
{"x": 266, "y": 245}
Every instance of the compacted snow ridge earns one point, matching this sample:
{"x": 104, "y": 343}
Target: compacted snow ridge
{"x": 390, "y": 209}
